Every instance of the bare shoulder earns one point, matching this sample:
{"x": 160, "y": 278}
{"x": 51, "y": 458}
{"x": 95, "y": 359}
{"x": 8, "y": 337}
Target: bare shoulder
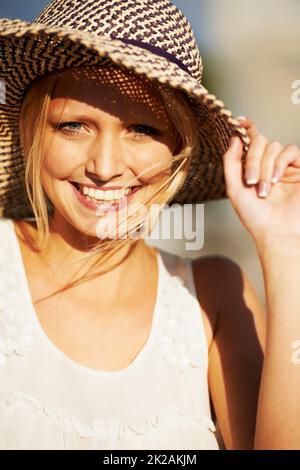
{"x": 210, "y": 274}
{"x": 221, "y": 285}
{"x": 235, "y": 323}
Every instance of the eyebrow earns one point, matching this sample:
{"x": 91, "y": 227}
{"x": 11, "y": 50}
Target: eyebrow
{"x": 69, "y": 115}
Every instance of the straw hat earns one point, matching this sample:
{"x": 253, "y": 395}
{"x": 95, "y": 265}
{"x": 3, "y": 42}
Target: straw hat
{"x": 149, "y": 37}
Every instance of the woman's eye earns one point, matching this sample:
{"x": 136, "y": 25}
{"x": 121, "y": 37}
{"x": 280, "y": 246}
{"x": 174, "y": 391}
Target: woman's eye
{"x": 69, "y": 128}
{"x": 142, "y": 130}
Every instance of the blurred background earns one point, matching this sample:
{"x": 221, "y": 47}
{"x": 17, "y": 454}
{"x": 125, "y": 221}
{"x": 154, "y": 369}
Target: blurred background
{"x": 250, "y": 52}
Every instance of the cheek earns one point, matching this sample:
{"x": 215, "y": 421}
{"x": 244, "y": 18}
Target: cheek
{"x": 60, "y": 159}
{"x": 153, "y": 162}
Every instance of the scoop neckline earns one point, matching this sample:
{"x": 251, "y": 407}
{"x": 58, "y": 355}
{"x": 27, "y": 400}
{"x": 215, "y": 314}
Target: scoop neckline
{"x": 67, "y": 359}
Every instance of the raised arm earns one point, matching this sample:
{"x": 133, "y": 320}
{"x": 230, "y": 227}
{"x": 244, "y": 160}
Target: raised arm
{"x": 278, "y": 417}
{"x": 273, "y": 220}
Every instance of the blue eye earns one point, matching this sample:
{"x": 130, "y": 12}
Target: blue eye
{"x": 74, "y": 127}
{"x": 142, "y": 129}
{"x": 64, "y": 127}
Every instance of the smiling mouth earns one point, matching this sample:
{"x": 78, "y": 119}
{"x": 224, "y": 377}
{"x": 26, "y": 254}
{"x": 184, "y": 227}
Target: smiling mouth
{"x": 99, "y": 196}
{"x": 83, "y": 190}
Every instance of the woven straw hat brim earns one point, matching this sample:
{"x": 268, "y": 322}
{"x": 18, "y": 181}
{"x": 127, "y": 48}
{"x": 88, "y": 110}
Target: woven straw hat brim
{"x": 32, "y": 50}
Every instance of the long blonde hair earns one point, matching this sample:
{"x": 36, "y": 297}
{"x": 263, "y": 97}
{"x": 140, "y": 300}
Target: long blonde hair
{"x": 33, "y": 118}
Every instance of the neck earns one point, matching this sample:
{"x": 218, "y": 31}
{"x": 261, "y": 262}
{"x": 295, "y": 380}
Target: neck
{"x": 64, "y": 256}
{"x": 68, "y": 249}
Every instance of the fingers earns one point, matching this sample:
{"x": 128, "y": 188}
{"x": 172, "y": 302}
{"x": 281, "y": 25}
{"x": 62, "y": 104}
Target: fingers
{"x": 253, "y": 160}
{"x": 267, "y": 161}
{"x": 272, "y": 150}
{"x": 232, "y": 161}
{"x": 249, "y": 125}
{"x": 290, "y": 154}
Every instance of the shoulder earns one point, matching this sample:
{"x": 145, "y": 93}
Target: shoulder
{"x": 223, "y": 290}
{"x": 216, "y": 271}
{"x": 238, "y": 330}
{"x": 210, "y": 274}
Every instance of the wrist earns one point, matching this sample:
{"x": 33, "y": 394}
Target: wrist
{"x": 273, "y": 243}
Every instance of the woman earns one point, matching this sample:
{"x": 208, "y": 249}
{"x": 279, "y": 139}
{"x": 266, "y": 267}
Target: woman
{"x": 129, "y": 355}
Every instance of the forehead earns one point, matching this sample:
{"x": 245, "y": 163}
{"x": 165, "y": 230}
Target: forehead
{"x": 110, "y": 88}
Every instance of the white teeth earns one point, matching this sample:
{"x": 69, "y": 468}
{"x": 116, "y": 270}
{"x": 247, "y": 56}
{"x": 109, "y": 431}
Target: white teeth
{"x": 104, "y": 195}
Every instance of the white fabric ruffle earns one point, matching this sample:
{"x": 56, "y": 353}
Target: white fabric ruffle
{"x": 62, "y": 430}
{"x": 16, "y": 328}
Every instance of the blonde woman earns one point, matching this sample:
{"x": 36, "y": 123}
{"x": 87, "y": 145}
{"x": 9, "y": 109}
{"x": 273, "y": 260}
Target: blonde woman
{"x": 105, "y": 342}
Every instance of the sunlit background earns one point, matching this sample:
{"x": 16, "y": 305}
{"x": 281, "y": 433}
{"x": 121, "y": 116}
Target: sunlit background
{"x": 250, "y": 52}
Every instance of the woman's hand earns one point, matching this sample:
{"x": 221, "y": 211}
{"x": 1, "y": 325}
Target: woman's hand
{"x": 266, "y": 196}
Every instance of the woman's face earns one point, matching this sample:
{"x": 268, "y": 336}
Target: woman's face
{"x": 113, "y": 127}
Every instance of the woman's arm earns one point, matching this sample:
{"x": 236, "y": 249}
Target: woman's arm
{"x": 273, "y": 220}
{"x": 278, "y": 416}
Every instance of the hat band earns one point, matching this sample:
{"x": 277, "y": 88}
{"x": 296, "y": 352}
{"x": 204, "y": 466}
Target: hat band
{"x": 155, "y": 50}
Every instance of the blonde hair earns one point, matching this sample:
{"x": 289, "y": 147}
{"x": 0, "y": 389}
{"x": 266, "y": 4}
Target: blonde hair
{"x": 33, "y": 118}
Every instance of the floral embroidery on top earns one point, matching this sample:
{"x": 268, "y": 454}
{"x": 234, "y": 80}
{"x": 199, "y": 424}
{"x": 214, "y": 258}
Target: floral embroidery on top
{"x": 180, "y": 346}
{"x": 15, "y": 327}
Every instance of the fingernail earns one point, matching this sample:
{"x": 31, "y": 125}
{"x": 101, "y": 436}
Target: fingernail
{"x": 242, "y": 118}
{"x": 276, "y": 175}
{"x": 263, "y": 188}
{"x": 251, "y": 176}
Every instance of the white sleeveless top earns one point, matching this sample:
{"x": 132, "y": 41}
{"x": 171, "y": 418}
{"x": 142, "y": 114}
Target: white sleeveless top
{"x": 49, "y": 401}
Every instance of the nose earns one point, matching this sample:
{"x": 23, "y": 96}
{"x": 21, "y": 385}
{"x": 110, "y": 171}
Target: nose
{"x": 105, "y": 157}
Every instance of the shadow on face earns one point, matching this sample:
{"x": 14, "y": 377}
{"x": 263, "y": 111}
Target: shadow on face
{"x": 118, "y": 92}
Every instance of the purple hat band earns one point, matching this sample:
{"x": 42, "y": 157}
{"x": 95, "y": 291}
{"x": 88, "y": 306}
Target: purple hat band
{"x": 155, "y": 50}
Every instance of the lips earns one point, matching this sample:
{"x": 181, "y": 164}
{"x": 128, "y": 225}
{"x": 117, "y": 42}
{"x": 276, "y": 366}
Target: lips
{"x": 105, "y": 205}
{"x": 112, "y": 188}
